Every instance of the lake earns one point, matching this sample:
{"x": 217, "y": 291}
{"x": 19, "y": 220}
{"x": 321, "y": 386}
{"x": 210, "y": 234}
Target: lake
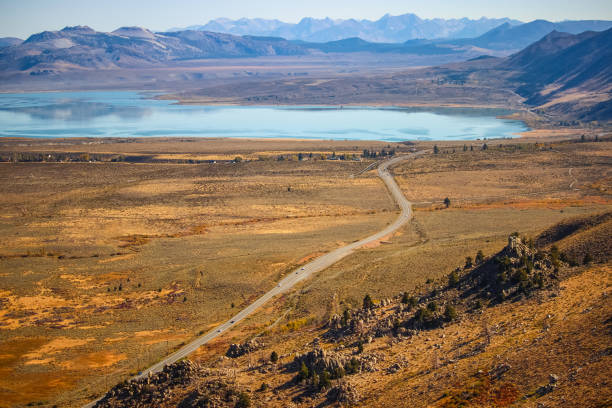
{"x": 134, "y": 114}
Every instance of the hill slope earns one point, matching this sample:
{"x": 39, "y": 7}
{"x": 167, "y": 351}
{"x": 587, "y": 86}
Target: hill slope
{"x": 567, "y": 73}
{"x": 518, "y": 327}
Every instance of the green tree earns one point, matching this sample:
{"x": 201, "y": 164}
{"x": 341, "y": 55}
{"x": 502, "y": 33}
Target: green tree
{"x": 324, "y": 380}
{"x": 447, "y": 202}
{"x": 274, "y": 357}
{"x": 360, "y": 347}
{"x": 432, "y": 306}
{"x": 303, "y": 373}
{"x": 237, "y": 159}
{"x": 436, "y": 150}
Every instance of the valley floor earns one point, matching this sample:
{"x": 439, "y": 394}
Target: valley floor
{"x": 108, "y": 266}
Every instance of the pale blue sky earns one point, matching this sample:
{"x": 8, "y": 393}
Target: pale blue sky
{"x": 21, "y": 18}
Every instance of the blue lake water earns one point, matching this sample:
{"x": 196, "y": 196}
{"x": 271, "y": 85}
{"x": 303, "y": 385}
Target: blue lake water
{"x": 134, "y": 114}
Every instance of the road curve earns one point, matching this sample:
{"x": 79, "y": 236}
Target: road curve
{"x": 301, "y": 273}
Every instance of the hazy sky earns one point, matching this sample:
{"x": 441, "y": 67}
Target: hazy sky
{"x": 20, "y": 18}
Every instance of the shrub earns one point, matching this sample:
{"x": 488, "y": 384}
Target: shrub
{"x": 432, "y": 306}
{"x": 447, "y": 202}
{"x": 346, "y": 315}
{"x": 479, "y": 257}
{"x": 468, "y": 261}
{"x": 339, "y": 372}
{"x": 244, "y": 401}
{"x": 587, "y": 259}
{"x": 367, "y": 302}
{"x": 450, "y": 313}
{"x": 352, "y": 367}
{"x": 422, "y": 315}
{"x": 360, "y": 347}
{"x": 453, "y": 279}
{"x": 274, "y": 357}
{"x": 263, "y": 387}
{"x": 520, "y": 276}
{"x": 411, "y": 301}
{"x": 538, "y": 280}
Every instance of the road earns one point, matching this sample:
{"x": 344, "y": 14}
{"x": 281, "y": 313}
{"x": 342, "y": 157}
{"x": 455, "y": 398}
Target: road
{"x": 300, "y": 274}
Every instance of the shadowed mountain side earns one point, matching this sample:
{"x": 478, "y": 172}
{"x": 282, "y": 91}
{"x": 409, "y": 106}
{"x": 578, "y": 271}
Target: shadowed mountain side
{"x": 564, "y": 72}
{"x": 508, "y": 36}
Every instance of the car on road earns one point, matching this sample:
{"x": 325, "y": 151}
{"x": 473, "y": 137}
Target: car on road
{"x": 232, "y": 322}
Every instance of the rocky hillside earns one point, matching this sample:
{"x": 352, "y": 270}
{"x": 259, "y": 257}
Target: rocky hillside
{"x": 484, "y": 337}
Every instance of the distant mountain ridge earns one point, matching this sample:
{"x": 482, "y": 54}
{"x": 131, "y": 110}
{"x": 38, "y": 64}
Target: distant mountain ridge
{"x": 387, "y": 29}
{"x": 507, "y": 36}
{"x": 9, "y": 41}
{"x": 131, "y": 47}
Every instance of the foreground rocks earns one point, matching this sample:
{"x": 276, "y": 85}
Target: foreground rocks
{"x": 167, "y": 388}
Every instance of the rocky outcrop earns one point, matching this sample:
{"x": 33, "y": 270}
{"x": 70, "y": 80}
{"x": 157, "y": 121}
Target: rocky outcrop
{"x": 343, "y": 393}
{"x": 320, "y": 360}
{"x": 152, "y": 390}
{"x": 237, "y": 350}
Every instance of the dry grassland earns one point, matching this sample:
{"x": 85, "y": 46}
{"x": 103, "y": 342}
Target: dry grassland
{"x": 217, "y": 234}
{"x": 106, "y": 267}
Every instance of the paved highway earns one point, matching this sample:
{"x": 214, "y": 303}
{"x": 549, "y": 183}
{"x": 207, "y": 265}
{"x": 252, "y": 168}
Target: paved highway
{"x": 301, "y": 273}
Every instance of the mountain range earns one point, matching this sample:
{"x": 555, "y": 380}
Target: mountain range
{"x": 132, "y": 47}
{"x": 390, "y": 29}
